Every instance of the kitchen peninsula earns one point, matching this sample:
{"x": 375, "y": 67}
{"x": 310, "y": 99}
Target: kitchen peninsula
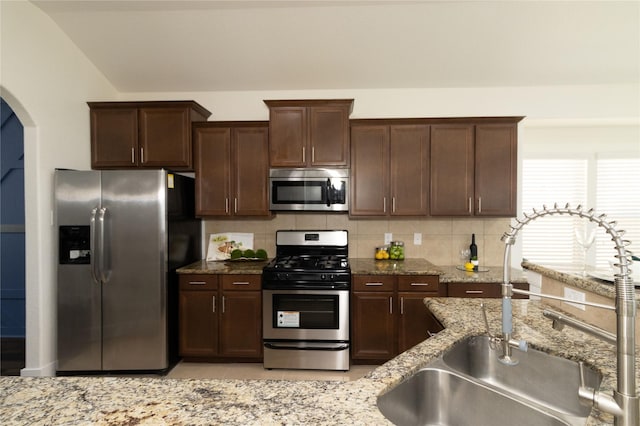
{"x": 126, "y": 400}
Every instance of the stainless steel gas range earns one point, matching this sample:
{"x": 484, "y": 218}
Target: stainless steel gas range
{"x": 306, "y": 301}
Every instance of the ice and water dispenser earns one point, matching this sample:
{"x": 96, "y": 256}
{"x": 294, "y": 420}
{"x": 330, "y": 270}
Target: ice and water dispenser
{"x": 75, "y": 245}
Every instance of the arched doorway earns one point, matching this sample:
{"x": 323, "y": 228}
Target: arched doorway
{"x": 12, "y": 242}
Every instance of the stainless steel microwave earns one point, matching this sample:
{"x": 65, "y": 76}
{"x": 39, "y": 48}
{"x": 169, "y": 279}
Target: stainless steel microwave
{"x": 309, "y": 189}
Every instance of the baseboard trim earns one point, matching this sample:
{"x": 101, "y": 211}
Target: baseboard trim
{"x": 48, "y": 370}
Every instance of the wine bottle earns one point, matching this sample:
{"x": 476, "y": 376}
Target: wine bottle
{"x": 473, "y": 252}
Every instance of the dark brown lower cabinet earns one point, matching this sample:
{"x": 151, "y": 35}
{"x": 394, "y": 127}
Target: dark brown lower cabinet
{"x": 388, "y": 315}
{"x": 489, "y": 290}
{"x": 220, "y": 317}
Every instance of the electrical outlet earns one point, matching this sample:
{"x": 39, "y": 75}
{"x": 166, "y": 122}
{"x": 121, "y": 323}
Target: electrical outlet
{"x": 578, "y": 296}
{"x": 417, "y": 239}
{"x": 388, "y": 236}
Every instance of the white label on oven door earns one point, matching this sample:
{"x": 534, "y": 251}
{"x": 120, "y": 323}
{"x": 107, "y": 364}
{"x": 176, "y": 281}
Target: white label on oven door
{"x": 288, "y": 319}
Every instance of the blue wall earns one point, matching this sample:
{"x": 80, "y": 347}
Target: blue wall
{"x": 12, "y": 245}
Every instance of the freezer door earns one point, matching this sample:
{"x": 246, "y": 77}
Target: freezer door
{"x": 79, "y": 326}
{"x": 134, "y": 308}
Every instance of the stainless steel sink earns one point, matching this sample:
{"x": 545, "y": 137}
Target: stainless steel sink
{"x": 434, "y": 396}
{"x": 546, "y": 379}
{"x": 468, "y": 385}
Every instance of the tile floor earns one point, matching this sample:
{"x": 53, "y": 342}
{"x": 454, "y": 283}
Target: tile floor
{"x": 193, "y": 370}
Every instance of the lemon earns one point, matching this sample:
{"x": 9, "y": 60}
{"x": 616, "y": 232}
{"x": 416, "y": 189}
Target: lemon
{"x": 379, "y": 255}
{"x": 468, "y": 266}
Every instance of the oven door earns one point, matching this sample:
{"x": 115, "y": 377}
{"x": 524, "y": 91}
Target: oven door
{"x": 306, "y": 315}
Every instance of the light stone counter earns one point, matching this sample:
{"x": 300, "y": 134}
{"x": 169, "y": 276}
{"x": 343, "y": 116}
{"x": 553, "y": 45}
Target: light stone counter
{"x": 571, "y": 275}
{"x": 221, "y": 267}
{"x": 159, "y": 401}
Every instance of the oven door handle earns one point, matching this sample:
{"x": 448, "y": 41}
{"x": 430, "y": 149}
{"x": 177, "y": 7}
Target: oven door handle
{"x": 335, "y": 347}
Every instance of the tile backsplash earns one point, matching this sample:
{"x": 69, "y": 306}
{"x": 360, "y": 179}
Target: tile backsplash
{"x": 442, "y": 238}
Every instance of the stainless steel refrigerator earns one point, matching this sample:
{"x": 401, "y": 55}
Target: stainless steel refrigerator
{"x": 121, "y": 236}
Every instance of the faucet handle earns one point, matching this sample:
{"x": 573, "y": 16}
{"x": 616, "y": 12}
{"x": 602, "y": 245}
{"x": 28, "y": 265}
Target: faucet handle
{"x": 486, "y": 322}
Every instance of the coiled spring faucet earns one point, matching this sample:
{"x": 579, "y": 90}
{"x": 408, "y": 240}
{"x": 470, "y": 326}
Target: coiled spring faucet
{"x": 625, "y": 402}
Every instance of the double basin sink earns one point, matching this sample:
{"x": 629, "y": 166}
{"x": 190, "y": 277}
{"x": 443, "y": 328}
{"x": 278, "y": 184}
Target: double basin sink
{"x": 468, "y": 385}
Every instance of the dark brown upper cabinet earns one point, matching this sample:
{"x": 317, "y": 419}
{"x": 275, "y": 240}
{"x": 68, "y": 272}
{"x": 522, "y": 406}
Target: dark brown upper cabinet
{"x": 309, "y": 133}
{"x": 154, "y": 134}
{"x": 389, "y": 168}
{"x": 232, "y": 168}
{"x": 474, "y": 167}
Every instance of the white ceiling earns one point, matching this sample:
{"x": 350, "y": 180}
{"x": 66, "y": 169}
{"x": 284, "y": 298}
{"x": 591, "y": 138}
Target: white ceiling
{"x": 165, "y": 46}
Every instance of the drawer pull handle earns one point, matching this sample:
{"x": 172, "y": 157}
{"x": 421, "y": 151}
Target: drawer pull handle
{"x": 240, "y": 283}
{"x": 373, "y": 284}
{"x": 474, "y": 292}
{"x": 197, "y": 282}
{"x": 421, "y": 284}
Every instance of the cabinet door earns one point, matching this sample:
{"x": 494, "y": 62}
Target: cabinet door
{"x": 114, "y": 137}
{"x": 213, "y": 171}
{"x": 250, "y": 153}
{"x": 198, "y": 323}
{"x": 241, "y": 324}
{"x": 496, "y": 169}
{"x": 288, "y": 136}
{"x": 369, "y": 170}
{"x": 415, "y": 321}
{"x": 373, "y": 326}
{"x": 409, "y": 168}
{"x": 165, "y": 138}
{"x": 452, "y": 170}
{"x": 329, "y": 136}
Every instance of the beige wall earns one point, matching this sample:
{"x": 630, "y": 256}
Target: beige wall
{"x": 47, "y": 81}
{"x": 442, "y": 239}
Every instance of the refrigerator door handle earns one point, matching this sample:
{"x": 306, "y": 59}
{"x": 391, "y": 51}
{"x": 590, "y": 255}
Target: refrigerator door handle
{"x": 92, "y": 246}
{"x": 103, "y": 254}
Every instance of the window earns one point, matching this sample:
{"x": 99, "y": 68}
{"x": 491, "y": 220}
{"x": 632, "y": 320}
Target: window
{"x": 607, "y": 184}
{"x": 618, "y": 195}
{"x": 550, "y": 240}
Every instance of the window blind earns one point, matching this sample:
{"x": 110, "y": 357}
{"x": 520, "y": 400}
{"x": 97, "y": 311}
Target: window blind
{"x": 553, "y": 239}
{"x": 618, "y": 195}
{"x": 550, "y": 240}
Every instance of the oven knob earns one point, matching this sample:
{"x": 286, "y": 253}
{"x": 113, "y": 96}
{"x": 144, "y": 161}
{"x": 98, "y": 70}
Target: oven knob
{"x": 331, "y": 277}
{"x": 323, "y": 277}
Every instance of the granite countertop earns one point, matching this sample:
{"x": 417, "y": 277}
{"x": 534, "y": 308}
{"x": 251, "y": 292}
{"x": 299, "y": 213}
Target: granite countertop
{"x": 222, "y": 267}
{"x": 571, "y": 275}
{"x": 157, "y": 401}
{"x": 365, "y": 266}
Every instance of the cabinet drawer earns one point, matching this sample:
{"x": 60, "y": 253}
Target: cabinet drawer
{"x": 422, "y": 283}
{"x": 474, "y": 290}
{"x": 198, "y": 282}
{"x": 483, "y": 290}
{"x": 373, "y": 283}
{"x": 241, "y": 282}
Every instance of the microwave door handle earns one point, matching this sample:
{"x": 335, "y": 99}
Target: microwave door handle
{"x": 327, "y": 192}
